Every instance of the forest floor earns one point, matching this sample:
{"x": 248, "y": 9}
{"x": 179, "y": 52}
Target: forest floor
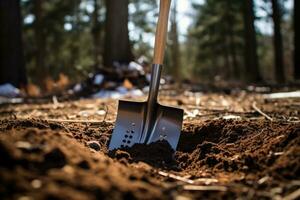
{"x": 232, "y": 146}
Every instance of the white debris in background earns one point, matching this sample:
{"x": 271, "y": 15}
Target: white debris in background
{"x": 143, "y": 60}
{"x": 8, "y": 90}
{"x": 107, "y": 94}
{"x": 252, "y": 88}
{"x": 162, "y": 80}
{"x": 283, "y": 95}
{"x": 4, "y": 100}
{"x": 77, "y": 87}
{"x": 101, "y": 112}
{"x": 119, "y": 92}
{"x": 191, "y": 114}
{"x": 198, "y": 98}
{"x": 136, "y": 66}
{"x": 148, "y": 77}
{"x": 98, "y": 80}
{"x": 136, "y": 93}
{"x": 231, "y": 117}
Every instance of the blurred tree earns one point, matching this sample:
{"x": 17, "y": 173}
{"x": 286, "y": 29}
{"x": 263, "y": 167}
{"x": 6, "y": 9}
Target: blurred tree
{"x": 12, "y": 68}
{"x": 142, "y": 23}
{"x": 40, "y": 37}
{"x": 117, "y": 44}
{"x": 174, "y": 46}
{"x": 251, "y": 58}
{"x": 218, "y": 27}
{"x": 230, "y": 18}
{"x": 96, "y": 32}
{"x": 296, "y": 40}
{"x": 278, "y": 42}
{"x": 68, "y": 42}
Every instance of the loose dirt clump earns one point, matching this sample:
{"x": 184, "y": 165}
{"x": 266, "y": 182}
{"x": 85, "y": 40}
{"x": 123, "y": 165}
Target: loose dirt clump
{"x": 158, "y": 154}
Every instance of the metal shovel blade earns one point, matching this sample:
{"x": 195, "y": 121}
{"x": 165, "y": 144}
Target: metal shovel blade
{"x": 165, "y": 124}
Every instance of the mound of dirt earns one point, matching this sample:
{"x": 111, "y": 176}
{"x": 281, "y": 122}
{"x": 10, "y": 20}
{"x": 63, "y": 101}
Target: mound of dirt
{"x": 47, "y": 164}
{"x": 158, "y": 154}
{"x": 251, "y": 147}
{"x": 215, "y": 159}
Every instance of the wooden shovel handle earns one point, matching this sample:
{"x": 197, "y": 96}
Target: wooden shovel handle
{"x": 161, "y": 32}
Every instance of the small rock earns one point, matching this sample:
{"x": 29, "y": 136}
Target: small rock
{"x": 23, "y": 145}
{"x": 25, "y": 198}
{"x": 101, "y": 112}
{"x": 94, "y": 145}
{"x": 122, "y": 154}
{"x": 27, "y": 147}
{"x": 68, "y": 169}
{"x": 36, "y": 184}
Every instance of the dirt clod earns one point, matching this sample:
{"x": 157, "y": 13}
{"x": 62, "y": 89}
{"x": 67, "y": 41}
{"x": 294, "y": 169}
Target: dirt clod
{"x": 159, "y": 154}
{"x": 94, "y": 145}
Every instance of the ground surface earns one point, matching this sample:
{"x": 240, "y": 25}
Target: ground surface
{"x": 227, "y": 149}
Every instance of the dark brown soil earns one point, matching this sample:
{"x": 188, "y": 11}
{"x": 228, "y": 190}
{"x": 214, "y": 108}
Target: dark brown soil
{"x": 249, "y": 158}
{"x": 158, "y": 154}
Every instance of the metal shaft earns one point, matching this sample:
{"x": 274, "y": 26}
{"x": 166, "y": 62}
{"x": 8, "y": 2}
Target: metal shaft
{"x": 159, "y": 52}
{"x": 154, "y": 83}
{"x": 152, "y": 102}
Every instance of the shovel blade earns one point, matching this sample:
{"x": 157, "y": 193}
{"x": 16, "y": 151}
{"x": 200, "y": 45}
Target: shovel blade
{"x": 166, "y": 125}
{"x": 129, "y": 124}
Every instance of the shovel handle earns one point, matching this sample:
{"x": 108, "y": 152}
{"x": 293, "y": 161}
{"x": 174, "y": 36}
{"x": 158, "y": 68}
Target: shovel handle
{"x": 161, "y": 32}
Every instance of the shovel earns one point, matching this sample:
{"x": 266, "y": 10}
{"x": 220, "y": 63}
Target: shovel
{"x": 148, "y": 122}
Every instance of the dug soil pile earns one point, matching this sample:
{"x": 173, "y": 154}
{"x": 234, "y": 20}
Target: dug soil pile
{"x": 216, "y": 159}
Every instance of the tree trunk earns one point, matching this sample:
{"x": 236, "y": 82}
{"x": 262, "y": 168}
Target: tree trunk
{"x": 96, "y": 33}
{"x": 117, "y": 44}
{"x": 175, "y": 48}
{"x": 227, "y": 73}
{"x": 234, "y": 63}
{"x": 278, "y": 43}
{"x": 12, "y": 68}
{"x": 251, "y": 58}
{"x": 297, "y": 39}
{"x": 231, "y": 44}
{"x": 39, "y": 33}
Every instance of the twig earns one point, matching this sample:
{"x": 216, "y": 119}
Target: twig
{"x": 66, "y": 120}
{"x": 106, "y": 113}
{"x": 261, "y": 112}
{"x": 206, "y": 181}
{"x": 54, "y": 100}
{"x": 178, "y": 178}
{"x": 205, "y": 188}
{"x": 294, "y": 195}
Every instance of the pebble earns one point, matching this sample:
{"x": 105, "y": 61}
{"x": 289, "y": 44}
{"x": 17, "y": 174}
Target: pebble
{"x": 23, "y": 145}
{"x": 122, "y": 154}
{"x": 36, "y": 183}
{"x": 94, "y": 145}
{"x": 25, "y": 198}
{"x": 68, "y": 169}
{"x": 101, "y": 112}
{"x": 27, "y": 147}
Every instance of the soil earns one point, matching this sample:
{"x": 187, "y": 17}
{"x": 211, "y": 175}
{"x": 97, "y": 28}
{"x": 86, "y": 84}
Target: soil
{"x": 227, "y": 150}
